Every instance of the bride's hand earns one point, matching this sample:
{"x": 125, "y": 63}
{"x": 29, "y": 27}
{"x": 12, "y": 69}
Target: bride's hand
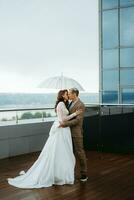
{"x": 61, "y": 124}
{"x": 78, "y": 112}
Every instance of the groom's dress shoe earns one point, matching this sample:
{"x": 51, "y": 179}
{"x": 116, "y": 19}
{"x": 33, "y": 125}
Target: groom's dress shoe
{"x": 83, "y": 178}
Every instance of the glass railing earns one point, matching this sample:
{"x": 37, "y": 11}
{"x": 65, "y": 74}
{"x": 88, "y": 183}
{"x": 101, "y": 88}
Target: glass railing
{"x": 31, "y": 115}
{"x": 106, "y": 127}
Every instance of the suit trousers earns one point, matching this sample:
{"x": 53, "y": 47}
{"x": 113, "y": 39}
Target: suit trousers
{"x": 79, "y": 151}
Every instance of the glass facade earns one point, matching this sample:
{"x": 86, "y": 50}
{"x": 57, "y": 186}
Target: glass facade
{"x": 127, "y": 77}
{"x": 127, "y": 57}
{"x": 110, "y": 97}
{"x": 126, "y": 2}
{"x": 110, "y": 80}
{"x": 116, "y": 51}
{"x": 127, "y": 26}
{"x": 107, "y": 4}
{"x": 111, "y": 55}
{"x": 110, "y": 29}
{"x": 128, "y": 95}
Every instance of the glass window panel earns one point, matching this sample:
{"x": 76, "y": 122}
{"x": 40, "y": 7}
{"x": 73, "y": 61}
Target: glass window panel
{"x": 127, "y": 26}
{"x": 109, "y": 4}
{"x": 127, "y": 57}
{"x": 127, "y": 77}
{"x": 110, "y": 97}
{"x": 128, "y": 95}
{"x": 110, "y": 29}
{"x": 110, "y": 80}
{"x": 110, "y": 58}
{"x": 126, "y": 2}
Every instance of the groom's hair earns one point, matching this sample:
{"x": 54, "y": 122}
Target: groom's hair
{"x": 75, "y": 90}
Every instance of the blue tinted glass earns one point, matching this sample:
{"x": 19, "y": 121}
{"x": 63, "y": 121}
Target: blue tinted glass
{"x": 127, "y": 26}
{"x": 110, "y": 80}
{"x": 110, "y": 58}
{"x": 127, "y": 57}
{"x": 110, "y": 29}
{"x": 126, "y": 2}
{"x": 127, "y": 77}
{"x": 128, "y": 95}
{"x": 109, "y": 4}
{"x": 110, "y": 97}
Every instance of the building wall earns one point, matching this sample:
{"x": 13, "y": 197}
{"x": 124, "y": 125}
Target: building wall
{"x": 23, "y": 138}
{"x": 116, "y": 51}
{"x": 106, "y": 128}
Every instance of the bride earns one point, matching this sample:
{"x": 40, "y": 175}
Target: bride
{"x": 55, "y": 164}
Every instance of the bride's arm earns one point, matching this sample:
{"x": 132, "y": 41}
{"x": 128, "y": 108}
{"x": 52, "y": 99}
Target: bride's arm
{"x": 61, "y": 113}
{"x": 68, "y": 117}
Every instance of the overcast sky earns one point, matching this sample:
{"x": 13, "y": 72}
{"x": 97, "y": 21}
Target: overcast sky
{"x": 44, "y": 38}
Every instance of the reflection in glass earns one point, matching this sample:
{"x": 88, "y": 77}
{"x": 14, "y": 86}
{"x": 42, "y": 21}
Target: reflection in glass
{"x": 110, "y": 97}
{"x": 126, "y": 2}
{"x": 127, "y": 77}
{"x": 8, "y": 117}
{"x": 110, "y": 80}
{"x": 106, "y": 4}
{"x": 127, "y": 26}
{"x": 36, "y": 115}
{"x": 91, "y": 110}
{"x": 127, "y": 57}
{"x": 110, "y": 58}
{"x": 128, "y": 95}
{"x": 110, "y": 29}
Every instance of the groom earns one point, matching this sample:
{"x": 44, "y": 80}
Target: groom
{"x": 76, "y": 130}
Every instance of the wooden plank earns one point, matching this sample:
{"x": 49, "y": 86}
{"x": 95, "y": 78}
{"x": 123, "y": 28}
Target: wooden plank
{"x": 111, "y": 176}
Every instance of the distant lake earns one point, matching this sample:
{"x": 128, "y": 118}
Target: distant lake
{"x": 36, "y": 100}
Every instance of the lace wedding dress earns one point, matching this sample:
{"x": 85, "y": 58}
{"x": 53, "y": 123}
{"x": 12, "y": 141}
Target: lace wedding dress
{"x": 55, "y": 164}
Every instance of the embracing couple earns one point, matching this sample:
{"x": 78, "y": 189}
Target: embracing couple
{"x": 56, "y": 162}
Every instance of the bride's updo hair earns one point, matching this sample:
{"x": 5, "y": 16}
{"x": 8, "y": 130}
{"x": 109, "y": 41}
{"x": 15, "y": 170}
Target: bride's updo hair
{"x": 60, "y": 98}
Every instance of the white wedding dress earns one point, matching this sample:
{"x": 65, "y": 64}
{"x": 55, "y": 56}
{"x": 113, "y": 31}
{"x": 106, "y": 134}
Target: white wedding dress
{"x": 55, "y": 164}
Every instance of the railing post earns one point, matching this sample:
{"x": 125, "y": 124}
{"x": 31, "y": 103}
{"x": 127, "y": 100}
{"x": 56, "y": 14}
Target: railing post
{"x": 42, "y": 116}
{"x": 16, "y": 118}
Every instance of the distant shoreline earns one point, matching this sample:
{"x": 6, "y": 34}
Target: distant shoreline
{"x": 32, "y": 100}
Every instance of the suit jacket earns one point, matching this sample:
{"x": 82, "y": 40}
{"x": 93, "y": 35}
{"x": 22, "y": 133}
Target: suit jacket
{"x": 77, "y": 122}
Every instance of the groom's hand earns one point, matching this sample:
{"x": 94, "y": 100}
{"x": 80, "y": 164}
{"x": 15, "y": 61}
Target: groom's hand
{"x": 61, "y": 124}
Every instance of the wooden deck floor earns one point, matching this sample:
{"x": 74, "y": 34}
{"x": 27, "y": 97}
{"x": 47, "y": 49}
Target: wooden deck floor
{"x": 111, "y": 177}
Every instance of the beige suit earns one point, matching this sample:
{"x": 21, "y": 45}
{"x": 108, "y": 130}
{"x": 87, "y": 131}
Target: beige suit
{"x": 77, "y": 134}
